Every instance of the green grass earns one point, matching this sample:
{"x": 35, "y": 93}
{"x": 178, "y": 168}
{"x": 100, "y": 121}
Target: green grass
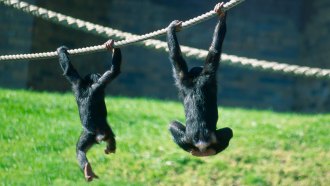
{"x": 38, "y": 133}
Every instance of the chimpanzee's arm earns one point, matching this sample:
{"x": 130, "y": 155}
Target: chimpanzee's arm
{"x": 68, "y": 70}
{"x": 114, "y": 71}
{"x": 179, "y": 65}
{"x": 213, "y": 57}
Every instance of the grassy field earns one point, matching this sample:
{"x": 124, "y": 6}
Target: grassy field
{"x": 38, "y": 133}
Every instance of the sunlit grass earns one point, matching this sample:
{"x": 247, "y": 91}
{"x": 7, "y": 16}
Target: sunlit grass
{"x": 38, "y": 133}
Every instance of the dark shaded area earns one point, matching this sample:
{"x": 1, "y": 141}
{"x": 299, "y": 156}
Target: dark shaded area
{"x": 295, "y": 32}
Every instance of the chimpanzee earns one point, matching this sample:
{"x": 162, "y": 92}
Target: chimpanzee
{"x": 89, "y": 94}
{"x": 198, "y": 89}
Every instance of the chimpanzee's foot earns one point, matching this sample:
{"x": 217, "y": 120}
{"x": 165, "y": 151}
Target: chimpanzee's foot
{"x": 111, "y": 146}
{"x": 89, "y": 174}
{"x": 109, "y": 150}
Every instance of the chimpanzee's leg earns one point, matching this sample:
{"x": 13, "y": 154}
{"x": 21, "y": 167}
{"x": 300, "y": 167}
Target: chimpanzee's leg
{"x": 85, "y": 142}
{"x": 223, "y": 137}
{"x": 109, "y": 138}
{"x": 178, "y": 131}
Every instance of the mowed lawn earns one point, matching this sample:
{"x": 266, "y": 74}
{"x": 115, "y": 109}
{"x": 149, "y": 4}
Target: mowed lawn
{"x": 38, "y": 133}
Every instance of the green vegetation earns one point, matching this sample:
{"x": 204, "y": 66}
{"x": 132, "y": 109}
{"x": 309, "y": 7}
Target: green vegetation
{"x": 38, "y": 132}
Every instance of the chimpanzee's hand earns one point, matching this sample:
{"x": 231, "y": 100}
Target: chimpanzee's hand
{"x": 109, "y": 45}
{"x": 62, "y": 49}
{"x": 218, "y": 9}
{"x": 62, "y": 53}
{"x": 176, "y": 26}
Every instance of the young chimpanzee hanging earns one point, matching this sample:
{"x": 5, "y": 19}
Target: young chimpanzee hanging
{"x": 89, "y": 93}
{"x": 198, "y": 89}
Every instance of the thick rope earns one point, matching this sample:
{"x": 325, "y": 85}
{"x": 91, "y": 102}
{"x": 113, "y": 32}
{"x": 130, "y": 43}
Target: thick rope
{"x": 67, "y": 20}
{"x": 152, "y": 43}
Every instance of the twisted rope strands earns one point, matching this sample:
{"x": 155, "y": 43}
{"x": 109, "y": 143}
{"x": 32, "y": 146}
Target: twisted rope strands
{"x": 262, "y": 65}
{"x": 96, "y": 29}
{"x": 152, "y": 43}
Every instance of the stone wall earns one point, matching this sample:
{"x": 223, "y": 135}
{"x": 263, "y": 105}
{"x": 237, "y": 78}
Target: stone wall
{"x": 15, "y": 36}
{"x": 309, "y": 94}
{"x": 295, "y": 32}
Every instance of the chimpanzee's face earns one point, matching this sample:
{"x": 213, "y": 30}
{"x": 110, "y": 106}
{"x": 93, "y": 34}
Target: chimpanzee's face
{"x": 203, "y": 139}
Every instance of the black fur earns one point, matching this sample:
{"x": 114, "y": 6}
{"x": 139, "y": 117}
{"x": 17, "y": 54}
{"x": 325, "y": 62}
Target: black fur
{"x": 198, "y": 89}
{"x": 89, "y": 94}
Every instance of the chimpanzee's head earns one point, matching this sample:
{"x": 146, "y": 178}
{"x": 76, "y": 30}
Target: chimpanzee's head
{"x": 200, "y": 142}
{"x": 202, "y": 139}
{"x": 91, "y": 78}
{"x": 195, "y": 71}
